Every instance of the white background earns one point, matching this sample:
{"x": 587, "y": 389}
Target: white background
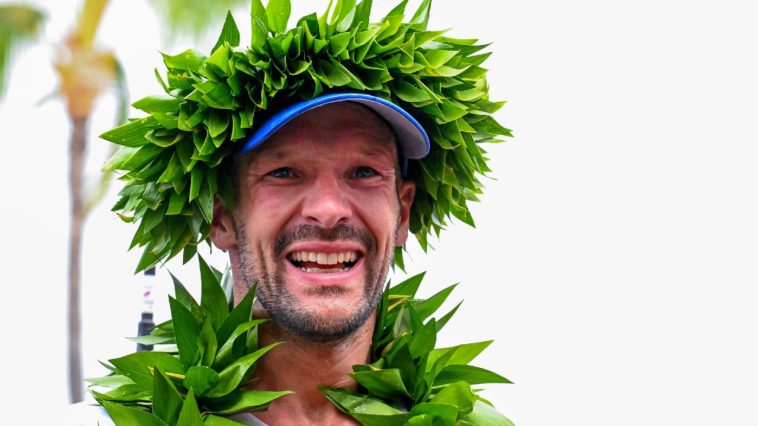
{"x": 614, "y": 261}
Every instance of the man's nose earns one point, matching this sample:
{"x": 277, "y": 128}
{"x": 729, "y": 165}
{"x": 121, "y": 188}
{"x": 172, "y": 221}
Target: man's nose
{"x": 326, "y": 204}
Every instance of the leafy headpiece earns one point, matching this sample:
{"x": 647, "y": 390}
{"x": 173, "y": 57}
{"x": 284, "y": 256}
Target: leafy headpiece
{"x": 175, "y": 160}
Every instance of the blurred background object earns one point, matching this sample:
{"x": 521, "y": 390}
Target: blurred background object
{"x": 86, "y": 70}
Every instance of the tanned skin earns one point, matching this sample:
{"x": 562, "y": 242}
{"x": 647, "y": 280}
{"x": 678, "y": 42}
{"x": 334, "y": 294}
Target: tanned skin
{"x": 327, "y": 182}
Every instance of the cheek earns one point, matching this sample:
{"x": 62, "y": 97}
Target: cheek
{"x": 380, "y": 214}
{"x": 265, "y": 213}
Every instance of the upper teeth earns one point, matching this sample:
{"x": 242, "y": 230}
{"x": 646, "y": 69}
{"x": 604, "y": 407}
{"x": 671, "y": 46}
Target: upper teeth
{"x": 324, "y": 258}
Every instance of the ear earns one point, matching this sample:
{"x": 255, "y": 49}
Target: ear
{"x": 222, "y": 226}
{"x": 406, "y": 192}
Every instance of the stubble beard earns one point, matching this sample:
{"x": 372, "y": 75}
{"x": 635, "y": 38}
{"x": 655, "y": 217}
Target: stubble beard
{"x": 285, "y": 309}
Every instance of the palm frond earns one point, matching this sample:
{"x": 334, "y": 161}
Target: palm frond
{"x": 193, "y": 17}
{"x": 18, "y": 24}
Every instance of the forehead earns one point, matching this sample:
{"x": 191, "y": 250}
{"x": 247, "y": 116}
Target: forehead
{"x": 340, "y": 129}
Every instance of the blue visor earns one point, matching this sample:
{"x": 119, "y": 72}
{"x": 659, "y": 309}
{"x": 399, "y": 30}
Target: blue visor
{"x": 412, "y": 140}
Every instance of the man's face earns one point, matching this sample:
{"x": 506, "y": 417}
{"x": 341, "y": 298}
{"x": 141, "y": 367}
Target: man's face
{"x": 319, "y": 213}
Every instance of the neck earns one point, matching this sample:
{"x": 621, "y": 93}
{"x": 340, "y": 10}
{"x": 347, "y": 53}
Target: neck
{"x": 301, "y": 366}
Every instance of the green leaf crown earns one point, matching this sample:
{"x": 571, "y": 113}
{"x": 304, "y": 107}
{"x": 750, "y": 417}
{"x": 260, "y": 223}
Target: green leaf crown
{"x": 176, "y": 159}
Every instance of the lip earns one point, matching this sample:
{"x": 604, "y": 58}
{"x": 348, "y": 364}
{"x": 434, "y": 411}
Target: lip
{"x": 326, "y": 279}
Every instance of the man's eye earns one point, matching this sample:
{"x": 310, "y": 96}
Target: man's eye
{"x": 281, "y": 173}
{"x": 364, "y": 172}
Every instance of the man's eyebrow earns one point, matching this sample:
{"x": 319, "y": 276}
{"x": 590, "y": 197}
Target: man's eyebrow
{"x": 375, "y": 150}
{"x": 280, "y": 152}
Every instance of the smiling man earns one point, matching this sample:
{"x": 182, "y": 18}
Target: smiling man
{"x": 310, "y": 157}
{"x": 321, "y": 206}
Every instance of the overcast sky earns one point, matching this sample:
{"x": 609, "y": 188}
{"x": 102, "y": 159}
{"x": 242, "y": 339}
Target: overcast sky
{"x": 614, "y": 260}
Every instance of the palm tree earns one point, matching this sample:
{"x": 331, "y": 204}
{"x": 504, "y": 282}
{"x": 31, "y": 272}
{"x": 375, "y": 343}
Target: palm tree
{"x": 85, "y": 70}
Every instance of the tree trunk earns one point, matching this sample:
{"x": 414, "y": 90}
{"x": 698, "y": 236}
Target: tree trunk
{"x": 76, "y": 162}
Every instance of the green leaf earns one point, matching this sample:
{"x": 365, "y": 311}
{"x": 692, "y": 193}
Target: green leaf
{"x": 176, "y": 204}
{"x": 468, "y": 373}
{"x": 488, "y": 125}
{"x": 187, "y": 332}
{"x": 113, "y": 381}
{"x": 460, "y": 354}
{"x": 212, "y": 300}
{"x": 457, "y": 394}
{"x": 398, "y": 10}
{"x": 205, "y": 201}
{"x": 227, "y": 284}
{"x": 131, "y": 158}
{"x": 421, "y": 420}
{"x": 218, "y": 122}
{"x": 190, "y": 414}
{"x": 409, "y": 93}
{"x": 338, "y": 43}
{"x": 167, "y": 402}
{"x": 409, "y": 287}
{"x": 484, "y": 415}
{"x": 220, "y": 97}
{"x": 212, "y": 420}
{"x": 147, "y": 260}
{"x": 246, "y": 401}
{"x": 424, "y": 339}
{"x": 437, "y": 58}
{"x": 200, "y": 379}
{"x": 227, "y": 352}
{"x": 387, "y": 384}
{"x": 278, "y": 13}
{"x": 158, "y": 104}
{"x": 188, "y": 60}
{"x": 442, "y": 321}
{"x": 430, "y": 305}
{"x": 322, "y": 22}
{"x": 131, "y": 134}
{"x": 240, "y": 314}
{"x": 229, "y": 33}
{"x": 343, "y": 15}
{"x": 237, "y": 372}
{"x": 444, "y": 414}
{"x": 259, "y": 24}
{"x": 362, "y": 14}
{"x": 173, "y": 170}
{"x": 350, "y": 402}
{"x": 196, "y": 182}
{"x": 185, "y": 298}
{"x": 334, "y": 74}
{"x": 138, "y": 366}
{"x": 421, "y": 17}
{"x": 164, "y": 138}
{"x": 130, "y": 393}
{"x": 123, "y": 415}
{"x": 207, "y": 344}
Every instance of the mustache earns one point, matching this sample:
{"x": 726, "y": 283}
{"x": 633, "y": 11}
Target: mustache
{"x": 307, "y": 232}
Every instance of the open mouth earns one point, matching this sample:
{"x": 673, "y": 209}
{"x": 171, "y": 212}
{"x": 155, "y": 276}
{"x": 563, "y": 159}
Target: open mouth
{"x": 313, "y": 261}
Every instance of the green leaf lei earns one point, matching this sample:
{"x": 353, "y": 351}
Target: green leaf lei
{"x": 202, "y": 374}
{"x": 410, "y": 382}
{"x": 211, "y": 349}
{"x": 175, "y": 159}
